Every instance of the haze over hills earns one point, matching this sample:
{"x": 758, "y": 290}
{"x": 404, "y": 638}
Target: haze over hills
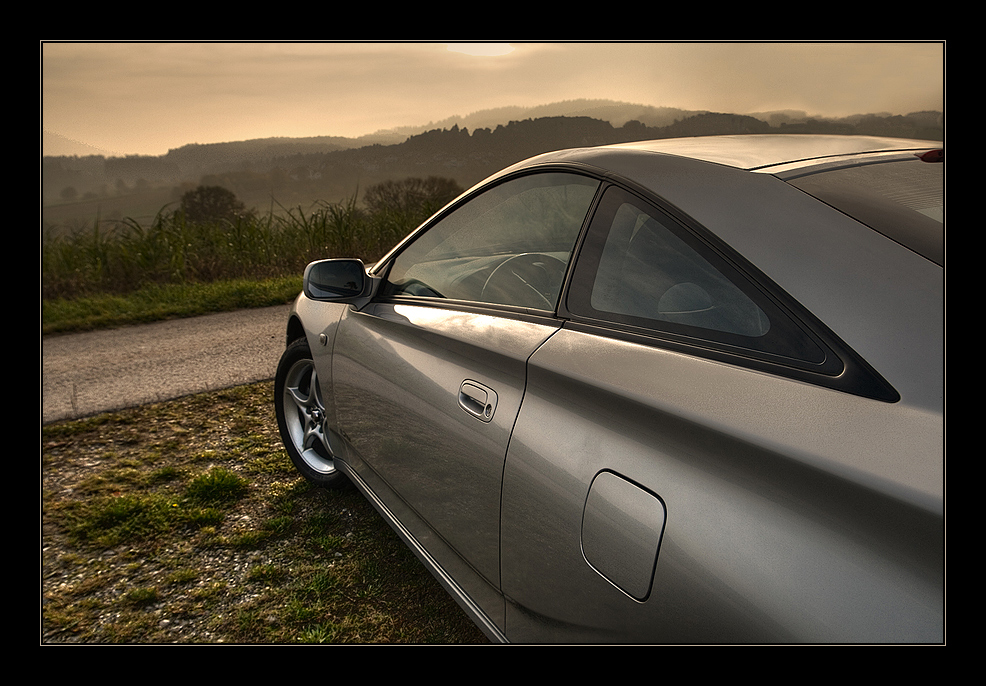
{"x": 616, "y": 113}
{"x": 81, "y": 181}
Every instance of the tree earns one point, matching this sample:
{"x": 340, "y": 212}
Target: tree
{"x": 411, "y": 197}
{"x": 211, "y": 203}
{"x": 397, "y": 207}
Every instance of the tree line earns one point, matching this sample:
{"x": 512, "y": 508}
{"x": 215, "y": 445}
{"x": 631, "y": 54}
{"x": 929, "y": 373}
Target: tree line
{"x": 329, "y": 171}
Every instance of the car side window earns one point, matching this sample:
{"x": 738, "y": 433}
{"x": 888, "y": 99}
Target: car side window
{"x": 510, "y": 245}
{"x": 641, "y": 268}
{"x": 648, "y": 272}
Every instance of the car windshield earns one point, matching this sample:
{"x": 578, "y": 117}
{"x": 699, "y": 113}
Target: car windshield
{"x": 904, "y": 200}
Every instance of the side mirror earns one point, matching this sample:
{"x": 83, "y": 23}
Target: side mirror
{"x": 341, "y": 281}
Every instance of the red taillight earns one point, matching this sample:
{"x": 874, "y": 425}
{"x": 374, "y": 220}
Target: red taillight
{"x": 932, "y": 156}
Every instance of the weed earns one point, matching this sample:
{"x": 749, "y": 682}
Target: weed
{"x": 247, "y": 540}
{"x": 141, "y": 597}
{"x": 181, "y": 577}
{"x": 200, "y": 517}
{"x": 111, "y": 520}
{"x": 267, "y": 574}
{"x": 278, "y": 526}
{"x": 218, "y": 485}
{"x": 164, "y": 475}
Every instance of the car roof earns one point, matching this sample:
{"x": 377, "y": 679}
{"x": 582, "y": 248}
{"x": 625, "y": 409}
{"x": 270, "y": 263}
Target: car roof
{"x": 777, "y": 153}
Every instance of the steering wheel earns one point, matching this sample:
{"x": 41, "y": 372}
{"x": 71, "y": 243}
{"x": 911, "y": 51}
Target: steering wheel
{"x": 527, "y": 280}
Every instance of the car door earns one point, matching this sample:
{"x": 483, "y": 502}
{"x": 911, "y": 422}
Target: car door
{"x": 429, "y": 377}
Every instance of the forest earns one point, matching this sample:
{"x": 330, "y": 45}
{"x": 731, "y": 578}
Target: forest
{"x": 268, "y": 173}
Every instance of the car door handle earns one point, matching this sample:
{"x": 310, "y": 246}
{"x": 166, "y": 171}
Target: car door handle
{"x": 477, "y": 399}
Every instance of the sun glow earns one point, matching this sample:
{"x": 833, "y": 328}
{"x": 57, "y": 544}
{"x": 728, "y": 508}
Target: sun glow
{"x": 481, "y": 49}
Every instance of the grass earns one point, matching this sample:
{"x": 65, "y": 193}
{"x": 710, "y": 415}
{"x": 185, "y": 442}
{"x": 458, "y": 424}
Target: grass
{"x": 127, "y": 273}
{"x": 155, "y": 302}
{"x": 125, "y": 256}
{"x": 218, "y": 485}
{"x": 173, "y": 523}
{"x": 114, "y": 273}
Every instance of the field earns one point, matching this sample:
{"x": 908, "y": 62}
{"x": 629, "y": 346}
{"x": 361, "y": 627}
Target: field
{"x": 212, "y": 254}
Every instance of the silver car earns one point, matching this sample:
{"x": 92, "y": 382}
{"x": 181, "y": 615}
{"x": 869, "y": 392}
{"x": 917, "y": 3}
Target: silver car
{"x": 681, "y": 391}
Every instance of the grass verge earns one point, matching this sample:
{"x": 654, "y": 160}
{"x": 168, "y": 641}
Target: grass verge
{"x": 185, "y": 522}
{"x": 157, "y": 302}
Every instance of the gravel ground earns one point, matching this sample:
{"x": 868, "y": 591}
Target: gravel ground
{"x": 281, "y": 563}
{"x": 99, "y": 371}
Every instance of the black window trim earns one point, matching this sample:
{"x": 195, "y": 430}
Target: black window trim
{"x": 842, "y": 369}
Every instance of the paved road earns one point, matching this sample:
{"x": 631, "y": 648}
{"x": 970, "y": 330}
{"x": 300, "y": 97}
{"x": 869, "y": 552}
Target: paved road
{"x": 86, "y": 373}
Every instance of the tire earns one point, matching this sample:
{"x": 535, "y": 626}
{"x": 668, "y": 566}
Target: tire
{"x": 301, "y": 417}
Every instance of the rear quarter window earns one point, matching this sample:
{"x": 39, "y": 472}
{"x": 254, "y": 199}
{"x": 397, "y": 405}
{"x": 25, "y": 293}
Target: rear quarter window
{"x": 649, "y": 277}
{"x": 638, "y": 267}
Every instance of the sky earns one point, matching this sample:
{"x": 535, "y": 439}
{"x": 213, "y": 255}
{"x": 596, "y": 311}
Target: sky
{"x": 129, "y": 98}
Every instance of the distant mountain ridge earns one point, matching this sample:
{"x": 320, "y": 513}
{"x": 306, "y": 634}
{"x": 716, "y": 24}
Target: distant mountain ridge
{"x": 299, "y": 171}
{"x": 614, "y": 112}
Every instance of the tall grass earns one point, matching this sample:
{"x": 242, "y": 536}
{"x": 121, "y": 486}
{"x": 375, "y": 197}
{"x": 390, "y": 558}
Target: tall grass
{"x": 124, "y": 257}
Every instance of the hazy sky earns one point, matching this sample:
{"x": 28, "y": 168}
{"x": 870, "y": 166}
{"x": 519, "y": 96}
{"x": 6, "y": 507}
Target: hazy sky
{"x": 144, "y": 98}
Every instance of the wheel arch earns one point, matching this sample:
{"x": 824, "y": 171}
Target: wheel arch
{"x": 295, "y": 330}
